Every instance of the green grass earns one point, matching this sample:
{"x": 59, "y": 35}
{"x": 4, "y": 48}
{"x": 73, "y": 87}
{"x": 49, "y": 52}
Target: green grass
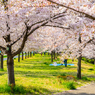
{"x": 34, "y": 76}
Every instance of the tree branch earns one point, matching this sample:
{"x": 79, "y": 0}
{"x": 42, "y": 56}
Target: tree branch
{"x": 44, "y": 22}
{"x": 3, "y": 48}
{"x": 86, "y": 15}
{"x": 35, "y": 28}
{"x": 23, "y": 43}
{"x": 88, "y": 42}
{"x": 18, "y": 38}
{"x": 57, "y": 26}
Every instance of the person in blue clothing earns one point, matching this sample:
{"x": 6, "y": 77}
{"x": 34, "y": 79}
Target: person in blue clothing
{"x": 65, "y": 62}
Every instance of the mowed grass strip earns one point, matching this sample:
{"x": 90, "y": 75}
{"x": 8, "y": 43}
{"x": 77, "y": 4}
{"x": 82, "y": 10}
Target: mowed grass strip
{"x": 35, "y": 76}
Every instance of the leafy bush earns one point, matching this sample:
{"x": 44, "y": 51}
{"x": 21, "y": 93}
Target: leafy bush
{"x": 88, "y": 60}
{"x": 84, "y": 78}
{"x": 70, "y": 85}
{"x": 12, "y": 89}
{"x": 1, "y": 69}
{"x": 91, "y": 69}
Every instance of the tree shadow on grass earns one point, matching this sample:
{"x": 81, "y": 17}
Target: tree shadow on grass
{"x": 29, "y": 90}
{"x": 42, "y": 74}
{"x": 40, "y": 67}
{"x": 2, "y": 74}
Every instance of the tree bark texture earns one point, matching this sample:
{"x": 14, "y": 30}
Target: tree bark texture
{"x": 51, "y": 56}
{"x": 94, "y": 61}
{"x": 79, "y": 68}
{"x": 10, "y": 69}
{"x": 28, "y": 54}
{"x": 25, "y": 55}
{"x": 54, "y": 54}
{"x": 1, "y": 61}
{"x": 33, "y": 53}
{"x": 19, "y": 57}
{"x": 22, "y": 55}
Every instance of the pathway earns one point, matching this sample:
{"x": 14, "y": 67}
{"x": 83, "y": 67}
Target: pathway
{"x": 84, "y": 90}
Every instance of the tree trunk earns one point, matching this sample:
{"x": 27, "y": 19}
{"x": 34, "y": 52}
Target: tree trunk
{"x": 57, "y": 53}
{"x": 79, "y": 68}
{"x": 18, "y": 57}
{"x": 25, "y": 55}
{"x": 33, "y": 53}
{"x": 54, "y": 54}
{"x": 72, "y": 60}
{"x": 94, "y": 61}
{"x": 22, "y": 55}
{"x": 1, "y": 61}
{"x": 10, "y": 69}
{"x": 51, "y": 56}
{"x": 28, "y": 54}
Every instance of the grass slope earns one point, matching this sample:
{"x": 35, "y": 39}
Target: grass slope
{"x": 34, "y": 76}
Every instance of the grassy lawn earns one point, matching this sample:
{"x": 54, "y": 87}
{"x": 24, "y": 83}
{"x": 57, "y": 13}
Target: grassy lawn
{"x": 34, "y": 76}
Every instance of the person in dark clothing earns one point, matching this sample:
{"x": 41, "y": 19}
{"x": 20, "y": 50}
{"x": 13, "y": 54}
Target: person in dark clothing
{"x": 65, "y": 62}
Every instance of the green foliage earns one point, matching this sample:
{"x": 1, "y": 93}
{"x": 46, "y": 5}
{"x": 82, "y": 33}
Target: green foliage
{"x": 34, "y": 76}
{"x": 91, "y": 69}
{"x": 85, "y": 78}
{"x": 88, "y": 60}
{"x": 1, "y": 69}
{"x": 9, "y": 89}
{"x": 69, "y": 85}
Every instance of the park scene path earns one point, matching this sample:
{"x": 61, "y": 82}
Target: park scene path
{"x": 84, "y": 90}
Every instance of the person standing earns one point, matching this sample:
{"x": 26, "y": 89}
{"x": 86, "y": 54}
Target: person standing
{"x": 65, "y": 62}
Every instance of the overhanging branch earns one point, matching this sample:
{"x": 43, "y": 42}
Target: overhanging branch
{"x": 84, "y": 45}
{"x": 3, "y": 48}
{"x": 57, "y": 26}
{"x": 86, "y": 15}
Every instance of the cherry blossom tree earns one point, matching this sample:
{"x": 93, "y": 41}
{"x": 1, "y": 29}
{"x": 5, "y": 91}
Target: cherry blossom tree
{"x": 86, "y": 11}
{"x": 18, "y": 20}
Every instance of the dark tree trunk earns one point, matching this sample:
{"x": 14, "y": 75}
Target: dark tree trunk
{"x": 72, "y": 60}
{"x": 22, "y": 55}
{"x": 28, "y": 54}
{"x": 25, "y": 55}
{"x": 19, "y": 57}
{"x": 57, "y": 54}
{"x": 94, "y": 61}
{"x": 1, "y": 61}
{"x": 79, "y": 68}
{"x": 79, "y": 60}
{"x": 10, "y": 69}
{"x": 51, "y": 56}
{"x": 33, "y": 53}
{"x": 48, "y": 53}
{"x": 54, "y": 54}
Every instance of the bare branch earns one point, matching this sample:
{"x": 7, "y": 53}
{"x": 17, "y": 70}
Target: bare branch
{"x": 23, "y": 43}
{"x": 18, "y": 38}
{"x": 86, "y": 15}
{"x": 44, "y": 22}
{"x": 35, "y": 28}
{"x": 3, "y": 48}
{"x": 88, "y": 42}
{"x": 57, "y": 26}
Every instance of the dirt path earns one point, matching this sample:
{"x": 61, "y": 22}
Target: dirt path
{"x": 84, "y": 90}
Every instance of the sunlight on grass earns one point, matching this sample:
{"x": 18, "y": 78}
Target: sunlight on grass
{"x": 35, "y": 76}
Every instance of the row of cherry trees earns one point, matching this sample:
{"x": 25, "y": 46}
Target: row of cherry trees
{"x": 19, "y": 20}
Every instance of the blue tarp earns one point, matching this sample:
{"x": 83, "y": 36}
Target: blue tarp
{"x": 61, "y": 64}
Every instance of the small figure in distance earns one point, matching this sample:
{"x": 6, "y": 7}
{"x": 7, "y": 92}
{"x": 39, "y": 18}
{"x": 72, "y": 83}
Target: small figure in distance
{"x": 65, "y": 62}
